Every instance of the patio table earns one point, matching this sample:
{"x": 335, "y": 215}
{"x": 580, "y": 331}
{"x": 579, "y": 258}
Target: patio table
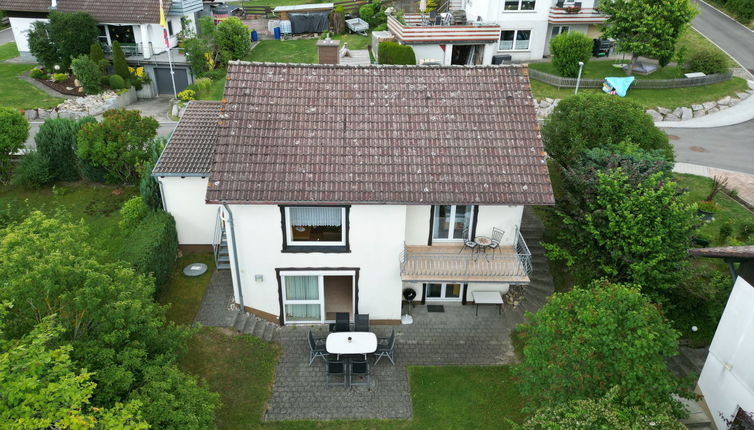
{"x": 360, "y": 343}
{"x": 487, "y": 298}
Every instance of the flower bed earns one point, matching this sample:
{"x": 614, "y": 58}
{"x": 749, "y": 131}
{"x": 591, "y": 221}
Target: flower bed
{"x": 67, "y": 87}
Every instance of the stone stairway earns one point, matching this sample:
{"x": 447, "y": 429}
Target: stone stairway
{"x": 247, "y": 323}
{"x": 541, "y": 285}
{"x": 222, "y": 255}
{"x": 688, "y": 361}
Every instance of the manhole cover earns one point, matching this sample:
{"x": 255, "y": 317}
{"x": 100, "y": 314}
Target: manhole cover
{"x": 673, "y": 137}
{"x": 195, "y": 269}
{"x": 698, "y": 149}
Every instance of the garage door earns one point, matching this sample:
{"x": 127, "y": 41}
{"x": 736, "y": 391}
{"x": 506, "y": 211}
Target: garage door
{"x": 165, "y": 86}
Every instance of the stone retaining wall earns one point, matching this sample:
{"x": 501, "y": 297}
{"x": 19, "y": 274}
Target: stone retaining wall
{"x": 80, "y": 107}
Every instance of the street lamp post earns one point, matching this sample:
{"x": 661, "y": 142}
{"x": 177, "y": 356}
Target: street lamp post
{"x": 578, "y": 79}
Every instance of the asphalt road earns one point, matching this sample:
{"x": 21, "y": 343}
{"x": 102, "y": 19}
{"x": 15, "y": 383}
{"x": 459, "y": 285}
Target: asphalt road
{"x": 729, "y": 148}
{"x": 728, "y": 34}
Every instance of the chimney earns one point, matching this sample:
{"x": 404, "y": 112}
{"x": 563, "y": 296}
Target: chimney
{"x": 327, "y": 51}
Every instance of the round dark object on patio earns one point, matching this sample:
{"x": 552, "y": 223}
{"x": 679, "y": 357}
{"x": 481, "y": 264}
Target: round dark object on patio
{"x": 409, "y": 294}
{"x": 195, "y": 269}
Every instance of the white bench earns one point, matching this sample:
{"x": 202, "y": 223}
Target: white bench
{"x": 694, "y": 75}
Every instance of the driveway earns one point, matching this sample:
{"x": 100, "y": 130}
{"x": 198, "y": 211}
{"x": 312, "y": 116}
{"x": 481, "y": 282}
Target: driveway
{"x": 729, "y": 148}
{"x": 728, "y": 34}
{"x": 6, "y": 36}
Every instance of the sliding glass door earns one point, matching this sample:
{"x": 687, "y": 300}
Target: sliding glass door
{"x": 304, "y": 294}
{"x": 444, "y": 291}
{"x": 452, "y": 222}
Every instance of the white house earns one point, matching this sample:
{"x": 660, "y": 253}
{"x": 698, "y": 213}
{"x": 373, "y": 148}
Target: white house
{"x": 727, "y": 379}
{"x": 135, "y": 24}
{"x": 327, "y": 189}
{"x": 515, "y": 30}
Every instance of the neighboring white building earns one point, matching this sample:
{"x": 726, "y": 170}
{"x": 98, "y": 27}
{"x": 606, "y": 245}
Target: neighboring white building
{"x": 333, "y": 188}
{"x": 135, "y": 24}
{"x": 727, "y": 379}
{"x": 518, "y": 30}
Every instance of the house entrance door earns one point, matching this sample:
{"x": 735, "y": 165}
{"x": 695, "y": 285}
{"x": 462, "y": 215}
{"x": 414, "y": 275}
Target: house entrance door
{"x": 311, "y": 297}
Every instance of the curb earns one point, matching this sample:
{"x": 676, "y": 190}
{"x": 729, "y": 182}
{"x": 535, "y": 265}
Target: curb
{"x": 724, "y": 13}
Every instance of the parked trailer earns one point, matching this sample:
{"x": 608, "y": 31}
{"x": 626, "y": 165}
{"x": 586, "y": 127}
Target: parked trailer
{"x": 357, "y": 25}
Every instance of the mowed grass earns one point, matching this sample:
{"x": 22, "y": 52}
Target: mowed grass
{"x": 184, "y": 294}
{"x": 8, "y": 51}
{"x": 598, "y": 69}
{"x": 285, "y": 51}
{"x": 18, "y": 94}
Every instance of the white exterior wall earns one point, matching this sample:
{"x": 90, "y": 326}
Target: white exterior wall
{"x": 184, "y": 199}
{"x": 417, "y": 225}
{"x": 727, "y": 379}
{"x": 580, "y": 28}
{"x": 376, "y": 235}
{"x": 20, "y": 28}
{"x": 429, "y": 52}
{"x": 506, "y": 218}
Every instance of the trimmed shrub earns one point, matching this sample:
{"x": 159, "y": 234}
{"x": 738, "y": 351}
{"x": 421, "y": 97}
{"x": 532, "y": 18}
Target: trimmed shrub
{"x": 38, "y": 74}
{"x": 98, "y": 56}
{"x": 187, "y": 95}
{"x": 709, "y": 61}
{"x": 32, "y": 171}
{"x": 59, "y": 77}
{"x": 203, "y": 85}
{"x": 117, "y": 82}
{"x": 567, "y": 50}
{"x": 132, "y": 212}
{"x": 88, "y": 73}
{"x": 395, "y": 53}
{"x": 233, "y": 39}
{"x": 72, "y": 34}
{"x": 56, "y": 141}
{"x": 119, "y": 62}
{"x": 726, "y": 230}
{"x": 14, "y": 129}
{"x": 148, "y": 186}
{"x": 152, "y": 247}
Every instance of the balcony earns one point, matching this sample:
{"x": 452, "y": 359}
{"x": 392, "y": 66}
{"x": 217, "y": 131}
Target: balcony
{"x": 570, "y": 14}
{"x": 453, "y": 263}
{"x": 419, "y": 29}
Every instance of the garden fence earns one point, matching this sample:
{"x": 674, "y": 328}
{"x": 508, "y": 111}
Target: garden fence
{"x": 561, "y": 82}
{"x": 348, "y": 6}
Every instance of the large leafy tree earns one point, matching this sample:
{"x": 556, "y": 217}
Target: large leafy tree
{"x": 66, "y": 36}
{"x": 233, "y": 39}
{"x": 42, "y": 388}
{"x": 583, "y": 343}
{"x": 41, "y": 44}
{"x": 599, "y": 120}
{"x": 648, "y": 28}
{"x": 119, "y": 144}
{"x": 625, "y": 224}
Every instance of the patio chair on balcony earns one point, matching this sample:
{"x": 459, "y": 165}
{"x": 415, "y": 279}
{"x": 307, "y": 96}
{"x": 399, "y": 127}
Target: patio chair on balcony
{"x": 497, "y": 237}
{"x": 360, "y": 370}
{"x": 361, "y": 322}
{"x": 341, "y": 322}
{"x": 336, "y": 369}
{"x": 385, "y": 348}
{"x": 316, "y": 348}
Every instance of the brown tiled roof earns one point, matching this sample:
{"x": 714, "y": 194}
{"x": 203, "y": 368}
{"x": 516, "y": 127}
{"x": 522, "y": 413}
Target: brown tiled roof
{"x": 725, "y": 252}
{"x": 26, "y": 5}
{"x": 117, "y": 11}
{"x": 189, "y": 151}
{"x": 389, "y": 134}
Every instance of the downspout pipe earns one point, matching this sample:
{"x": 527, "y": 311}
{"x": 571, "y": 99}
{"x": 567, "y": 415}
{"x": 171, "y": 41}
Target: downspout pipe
{"x": 236, "y": 269}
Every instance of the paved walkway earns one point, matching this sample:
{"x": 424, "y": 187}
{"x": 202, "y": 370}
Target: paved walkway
{"x": 6, "y": 36}
{"x": 741, "y": 182}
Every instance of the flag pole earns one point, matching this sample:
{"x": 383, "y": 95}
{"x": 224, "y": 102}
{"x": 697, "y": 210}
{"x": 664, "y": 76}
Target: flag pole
{"x": 164, "y": 26}
{"x": 172, "y": 73}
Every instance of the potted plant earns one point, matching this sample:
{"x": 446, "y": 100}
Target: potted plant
{"x": 706, "y": 210}
{"x": 573, "y": 9}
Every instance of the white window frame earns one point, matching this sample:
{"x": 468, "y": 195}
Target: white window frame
{"x": 289, "y": 231}
{"x": 515, "y": 36}
{"x": 450, "y": 230}
{"x": 321, "y": 285}
{"x": 443, "y": 292}
{"x": 560, "y": 30}
{"x": 520, "y": 4}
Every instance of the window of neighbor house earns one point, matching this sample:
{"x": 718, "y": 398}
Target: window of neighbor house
{"x": 519, "y": 4}
{"x": 170, "y": 28}
{"x": 452, "y": 222}
{"x": 514, "y": 40}
{"x": 315, "y": 226}
{"x": 559, "y": 29}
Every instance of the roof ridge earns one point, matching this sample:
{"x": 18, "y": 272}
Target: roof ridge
{"x": 376, "y": 66}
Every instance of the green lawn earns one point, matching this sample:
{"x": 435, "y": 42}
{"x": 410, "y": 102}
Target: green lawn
{"x": 242, "y": 369}
{"x": 8, "y": 51}
{"x": 20, "y": 94}
{"x": 184, "y": 294}
{"x": 299, "y": 51}
{"x": 598, "y": 69}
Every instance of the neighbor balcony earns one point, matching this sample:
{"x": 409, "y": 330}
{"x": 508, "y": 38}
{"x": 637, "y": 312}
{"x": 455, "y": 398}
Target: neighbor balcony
{"x": 455, "y": 263}
{"x": 574, "y": 13}
{"x": 421, "y": 28}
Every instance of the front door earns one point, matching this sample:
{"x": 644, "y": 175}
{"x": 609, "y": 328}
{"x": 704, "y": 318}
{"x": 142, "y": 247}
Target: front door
{"x": 448, "y": 292}
{"x": 315, "y": 297}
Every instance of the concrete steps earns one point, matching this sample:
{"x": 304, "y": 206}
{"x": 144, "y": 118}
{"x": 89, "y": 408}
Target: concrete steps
{"x": 252, "y": 325}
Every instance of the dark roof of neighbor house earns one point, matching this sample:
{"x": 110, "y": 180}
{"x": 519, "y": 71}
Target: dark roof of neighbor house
{"x": 107, "y": 11}
{"x": 725, "y": 252}
{"x": 189, "y": 151}
{"x": 388, "y": 134}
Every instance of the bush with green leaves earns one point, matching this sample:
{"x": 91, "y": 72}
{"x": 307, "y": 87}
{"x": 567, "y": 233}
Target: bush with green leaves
{"x": 119, "y": 62}
{"x": 41, "y": 45}
{"x": 152, "y": 247}
{"x": 743, "y": 9}
{"x": 43, "y": 388}
{"x": 374, "y": 14}
{"x": 584, "y": 342}
{"x": 187, "y": 95}
{"x": 59, "y": 77}
{"x": 88, "y": 73}
{"x": 726, "y": 229}
{"x": 197, "y": 50}
{"x": 116, "y": 82}
{"x": 67, "y": 35}
{"x": 148, "y": 186}
{"x": 33, "y": 171}
{"x": 395, "y": 53}
{"x": 567, "y": 50}
{"x": 98, "y": 56}
{"x": 14, "y": 130}
{"x": 599, "y": 120}
{"x": 118, "y": 144}
{"x": 604, "y": 412}
{"x": 56, "y": 140}
{"x": 709, "y": 61}
{"x": 37, "y": 73}
{"x": 132, "y": 212}
{"x": 233, "y": 39}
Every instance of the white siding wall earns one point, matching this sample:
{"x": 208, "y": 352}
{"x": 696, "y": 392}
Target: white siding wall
{"x": 502, "y": 217}
{"x": 581, "y": 28}
{"x": 194, "y": 219}
{"x": 376, "y": 238}
{"x": 725, "y": 389}
{"x": 417, "y": 225}
{"x": 20, "y": 28}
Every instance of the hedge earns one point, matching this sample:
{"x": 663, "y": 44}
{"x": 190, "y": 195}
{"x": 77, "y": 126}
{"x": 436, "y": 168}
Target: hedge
{"x": 152, "y": 247}
{"x": 395, "y": 53}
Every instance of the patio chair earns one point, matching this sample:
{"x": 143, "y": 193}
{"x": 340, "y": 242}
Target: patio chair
{"x": 316, "y": 348}
{"x": 361, "y": 323}
{"x": 385, "y": 348}
{"x": 497, "y": 237}
{"x": 336, "y": 369}
{"x": 341, "y": 322}
{"x": 360, "y": 369}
